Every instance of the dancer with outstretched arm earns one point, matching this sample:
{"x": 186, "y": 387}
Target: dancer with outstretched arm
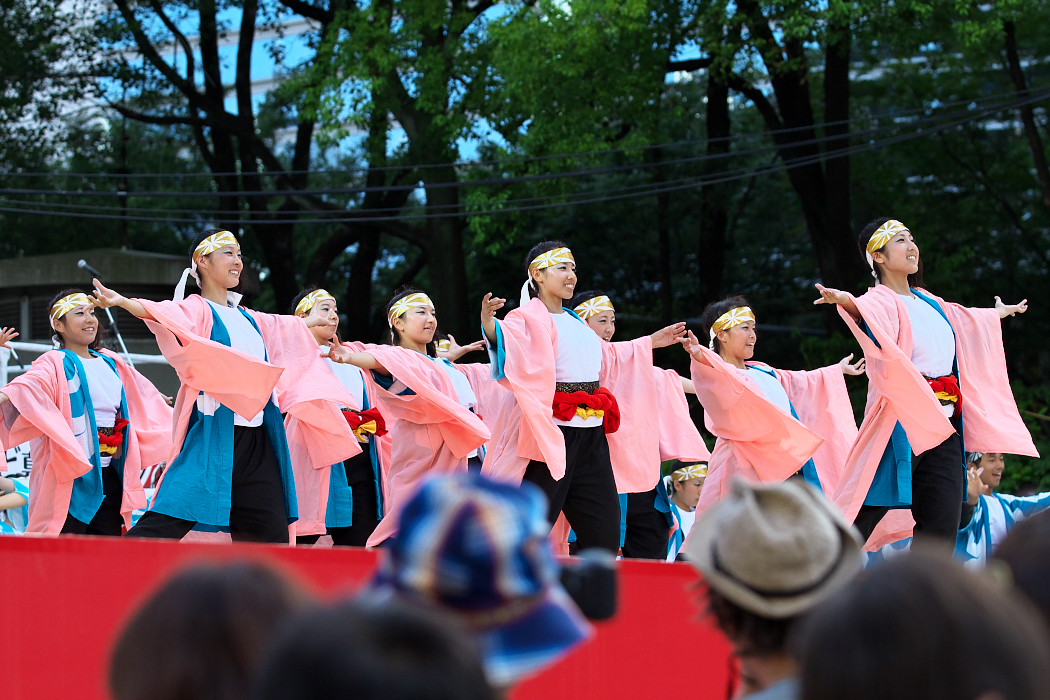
{"x": 554, "y": 366}
{"x": 344, "y": 499}
{"x": 771, "y": 424}
{"x": 230, "y": 469}
{"x": 937, "y": 379}
{"x": 93, "y": 424}
{"x": 427, "y": 402}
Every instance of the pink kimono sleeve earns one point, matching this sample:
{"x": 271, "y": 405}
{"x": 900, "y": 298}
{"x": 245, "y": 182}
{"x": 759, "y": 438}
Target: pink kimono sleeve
{"x": 991, "y": 421}
{"x": 433, "y": 402}
{"x": 531, "y": 344}
{"x": 308, "y": 391}
{"x": 891, "y": 373}
{"x": 498, "y": 409}
{"x": 756, "y": 439}
{"x": 634, "y": 449}
{"x": 151, "y": 415}
{"x": 38, "y": 407}
{"x": 679, "y": 437}
{"x": 761, "y": 434}
{"x": 237, "y": 380}
{"x": 822, "y": 403}
{"x": 430, "y": 431}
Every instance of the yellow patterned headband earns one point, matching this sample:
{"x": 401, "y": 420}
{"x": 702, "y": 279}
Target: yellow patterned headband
{"x": 405, "y": 303}
{"x": 593, "y": 307}
{"x": 443, "y": 345}
{"x": 732, "y": 318}
{"x": 213, "y": 242}
{"x": 312, "y": 299}
{"x": 552, "y": 258}
{"x": 884, "y": 233}
{"x": 67, "y": 303}
{"x": 693, "y": 471}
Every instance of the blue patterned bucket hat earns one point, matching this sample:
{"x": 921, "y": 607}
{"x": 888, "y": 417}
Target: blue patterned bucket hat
{"x": 479, "y": 549}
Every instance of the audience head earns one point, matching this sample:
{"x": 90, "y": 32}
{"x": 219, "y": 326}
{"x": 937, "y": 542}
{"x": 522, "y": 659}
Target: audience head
{"x": 201, "y": 635}
{"x": 369, "y": 650}
{"x": 479, "y": 549}
{"x": 1025, "y": 553}
{"x": 923, "y": 626}
{"x": 769, "y": 553}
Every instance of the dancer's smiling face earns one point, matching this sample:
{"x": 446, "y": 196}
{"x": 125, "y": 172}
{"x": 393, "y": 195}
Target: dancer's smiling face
{"x": 604, "y": 324}
{"x": 222, "y": 267}
{"x": 900, "y": 254}
{"x": 328, "y": 310}
{"x": 557, "y": 281}
{"x": 417, "y": 325}
{"x": 738, "y": 342}
{"x": 78, "y": 327}
{"x": 993, "y": 464}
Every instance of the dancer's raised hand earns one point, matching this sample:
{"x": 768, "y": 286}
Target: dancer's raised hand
{"x": 1010, "y": 309}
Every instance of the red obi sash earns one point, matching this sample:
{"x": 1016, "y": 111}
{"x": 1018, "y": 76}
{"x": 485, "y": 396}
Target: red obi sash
{"x": 111, "y": 439}
{"x": 365, "y": 423}
{"x": 947, "y": 391}
{"x": 601, "y": 403}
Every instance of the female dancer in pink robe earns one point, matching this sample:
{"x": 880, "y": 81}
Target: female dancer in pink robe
{"x": 771, "y": 423}
{"x": 662, "y": 431}
{"x": 230, "y": 469}
{"x": 428, "y": 404}
{"x": 554, "y": 366}
{"x": 937, "y": 379}
{"x": 341, "y": 499}
{"x": 94, "y": 424}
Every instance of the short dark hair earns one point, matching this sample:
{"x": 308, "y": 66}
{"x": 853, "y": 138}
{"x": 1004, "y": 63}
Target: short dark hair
{"x": 373, "y": 651}
{"x": 395, "y": 337}
{"x": 752, "y": 634}
{"x": 57, "y": 338}
{"x": 201, "y": 236}
{"x": 921, "y": 625}
{"x": 712, "y": 312}
{"x": 1026, "y": 552}
{"x": 584, "y": 296}
{"x": 862, "y": 244}
{"x": 202, "y": 634}
{"x": 534, "y": 252}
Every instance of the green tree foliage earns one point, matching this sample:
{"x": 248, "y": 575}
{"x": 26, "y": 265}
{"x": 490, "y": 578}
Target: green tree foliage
{"x": 46, "y": 69}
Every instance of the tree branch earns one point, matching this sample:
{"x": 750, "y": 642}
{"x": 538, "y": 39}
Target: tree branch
{"x": 688, "y": 65}
{"x": 309, "y": 11}
{"x": 191, "y": 66}
{"x": 160, "y": 120}
{"x": 149, "y": 52}
{"x": 761, "y": 102}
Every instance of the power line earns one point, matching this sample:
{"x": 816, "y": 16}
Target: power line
{"x": 933, "y": 120}
{"x": 1008, "y": 100}
{"x": 601, "y": 196}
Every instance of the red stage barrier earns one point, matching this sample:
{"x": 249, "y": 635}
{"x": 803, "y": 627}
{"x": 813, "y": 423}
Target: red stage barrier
{"x": 66, "y": 599}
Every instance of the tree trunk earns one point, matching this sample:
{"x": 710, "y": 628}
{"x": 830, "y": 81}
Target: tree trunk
{"x": 715, "y": 197}
{"x": 837, "y": 161}
{"x": 446, "y": 257}
{"x": 1031, "y": 131}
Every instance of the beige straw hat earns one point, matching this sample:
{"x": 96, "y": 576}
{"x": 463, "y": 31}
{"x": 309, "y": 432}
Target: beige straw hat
{"x": 774, "y": 549}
